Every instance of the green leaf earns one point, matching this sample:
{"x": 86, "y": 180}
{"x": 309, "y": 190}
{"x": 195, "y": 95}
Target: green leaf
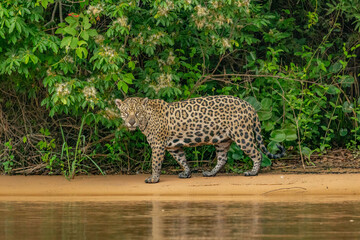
{"x": 125, "y": 87}
{"x": 336, "y": 67}
{"x": 84, "y": 35}
{"x": 81, "y": 52}
{"x": 27, "y": 58}
{"x": 131, "y": 65}
{"x": 34, "y": 59}
{"x": 18, "y": 27}
{"x": 92, "y": 32}
{"x": 128, "y": 77}
{"x": 346, "y": 80}
{"x": 278, "y": 136}
{"x": 236, "y": 156}
{"x": 306, "y": 152}
{"x": 264, "y": 115}
{"x": 59, "y": 31}
{"x": 333, "y": 90}
{"x": 70, "y": 30}
{"x": 343, "y": 132}
{"x": 115, "y": 77}
{"x": 254, "y": 102}
{"x": 12, "y": 26}
{"x": 86, "y": 23}
{"x": 65, "y": 42}
{"x": 268, "y": 126}
{"x": 266, "y": 162}
{"x": 70, "y": 20}
{"x": 73, "y": 43}
{"x": 290, "y": 134}
{"x": 122, "y": 85}
{"x": 193, "y": 51}
{"x": 347, "y": 107}
{"x": 266, "y": 103}
{"x": 24, "y": 139}
{"x": 81, "y": 42}
{"x": 44, "y": 3}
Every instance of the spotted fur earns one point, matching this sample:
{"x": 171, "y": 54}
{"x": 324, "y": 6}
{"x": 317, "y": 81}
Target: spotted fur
{"x": 214, "y": 120}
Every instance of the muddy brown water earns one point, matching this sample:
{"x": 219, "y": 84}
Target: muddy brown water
{"x": 204, "y": 218}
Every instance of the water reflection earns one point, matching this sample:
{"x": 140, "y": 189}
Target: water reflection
{"x": 179, "y": 220}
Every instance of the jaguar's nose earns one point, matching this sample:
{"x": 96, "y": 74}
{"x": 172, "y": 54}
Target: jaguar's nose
{"x": 132, "y": 121}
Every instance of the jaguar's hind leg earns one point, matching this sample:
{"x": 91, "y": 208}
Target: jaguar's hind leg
{"x": 256, "y": 157}
{"x": 245, "y": 140}
{"x": 179, "y": 155}
{"x": 221, "y": 152}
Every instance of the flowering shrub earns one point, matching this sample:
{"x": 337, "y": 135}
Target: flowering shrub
{"x": 297, "y": 67}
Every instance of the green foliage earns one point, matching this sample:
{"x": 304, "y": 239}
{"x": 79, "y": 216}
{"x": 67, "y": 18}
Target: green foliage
{"x": 48, "y": 153}
{"x": 295, "y": 62}
{"x": 8, "y": 161}
{"x": 75, "y": 156}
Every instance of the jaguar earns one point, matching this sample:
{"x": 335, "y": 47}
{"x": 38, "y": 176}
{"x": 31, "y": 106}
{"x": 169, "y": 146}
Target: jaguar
{"x": 211, "y": 120}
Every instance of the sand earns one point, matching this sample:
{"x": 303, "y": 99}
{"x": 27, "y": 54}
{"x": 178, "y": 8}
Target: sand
{"x": 132, "y": 187}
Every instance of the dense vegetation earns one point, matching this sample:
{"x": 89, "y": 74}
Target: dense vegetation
{"x": 62, "y": 64}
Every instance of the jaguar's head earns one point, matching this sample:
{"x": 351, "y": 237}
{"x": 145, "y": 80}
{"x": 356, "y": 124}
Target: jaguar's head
{"x": 133, "y": 112}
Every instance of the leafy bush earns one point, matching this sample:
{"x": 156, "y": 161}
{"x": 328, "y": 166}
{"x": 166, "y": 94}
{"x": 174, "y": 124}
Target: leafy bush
{"x": 295, "y": 62}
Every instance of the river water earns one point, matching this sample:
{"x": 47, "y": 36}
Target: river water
{"x": 180, "y": 219}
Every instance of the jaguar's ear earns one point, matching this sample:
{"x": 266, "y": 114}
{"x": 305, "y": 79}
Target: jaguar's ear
{"x": 145, "y": 101}
{"x": 118, "y": 102}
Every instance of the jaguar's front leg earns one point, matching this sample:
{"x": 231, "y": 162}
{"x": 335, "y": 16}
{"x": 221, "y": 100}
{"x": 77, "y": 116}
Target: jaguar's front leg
{"x": 157, "y": 159}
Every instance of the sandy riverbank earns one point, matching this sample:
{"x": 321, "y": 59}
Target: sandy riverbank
{"x": 171, "y": 187}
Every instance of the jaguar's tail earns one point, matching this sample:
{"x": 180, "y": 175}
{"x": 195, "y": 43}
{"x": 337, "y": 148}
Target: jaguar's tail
{"x": 259, "y": 139}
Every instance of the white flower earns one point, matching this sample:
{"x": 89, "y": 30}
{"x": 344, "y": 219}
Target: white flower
{"x": 213, "y": 40}
{"x": 147, "y": 79}
{"x": 110, "y": 114}
{"x": 215, "y": 4}
{"x": 220, "y": 20}
{"x": 200, "y": 23}
{"x": 122, "y": 21}
{"x": 109, "y": 52}
{"x": 89, "y": 91}
{"x": 171, "y": 59}
{"x": 68, "y": 59}
{"x": 99, "y": 39}
{"x": 49, "y": 72}
{"x": 91, "y": 79}
{"x": 225, "y": 43}
{"x": 62, "y": 89}
{"x": 164, "y": 9}
{"x": 154, "y": 39}
{"x": 94, "y": 10}
{"x": 141, "y": 41}
{"x": 201, "y": 11}
{"x": 243, "y": 3}
{"x": 161, "y": 63}
{"x": 164, "y": 80}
